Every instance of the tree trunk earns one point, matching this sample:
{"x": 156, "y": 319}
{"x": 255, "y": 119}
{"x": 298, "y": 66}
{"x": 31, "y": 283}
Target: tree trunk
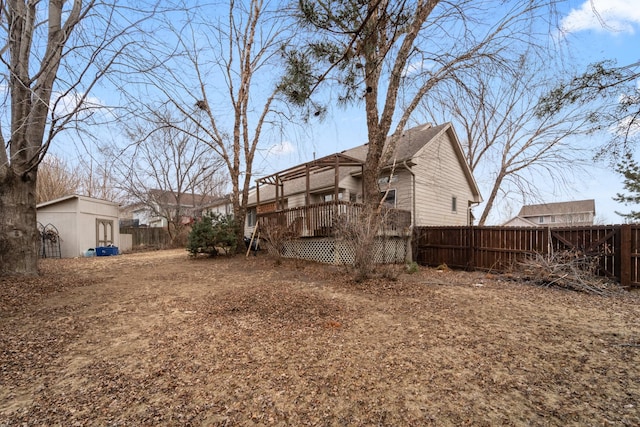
{"x": 492, "y": 198}
{"x": 369, "y": 220}
{"x": 239, "y": 215}
{"x": 18, "y": 229}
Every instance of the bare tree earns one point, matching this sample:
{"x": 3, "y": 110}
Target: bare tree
{"x": 505, "y": 142}
{"x": 390, "y": 55}
{"x": 98, "y": 178}
{"x": 221, "y": 75}
{"x": 52, "y": 55}
{"x": 86, "y": 176}
{"x": 56, "y": 178}
{"x": 168, "y": 170}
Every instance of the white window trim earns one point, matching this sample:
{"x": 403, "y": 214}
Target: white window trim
{"x": 388, "y": 193}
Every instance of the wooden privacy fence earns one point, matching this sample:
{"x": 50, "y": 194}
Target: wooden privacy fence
{"x": 617, "y": 247}
{"x": 147, "y": 236}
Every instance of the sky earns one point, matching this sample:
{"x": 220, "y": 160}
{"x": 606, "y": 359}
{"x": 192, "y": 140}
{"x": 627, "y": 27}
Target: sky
{"x": 611, "y": 33}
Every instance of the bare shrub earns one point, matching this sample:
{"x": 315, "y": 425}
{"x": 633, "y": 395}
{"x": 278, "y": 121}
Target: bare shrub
{"x": 276, "y": 236}
{"x": 361, "y": 235}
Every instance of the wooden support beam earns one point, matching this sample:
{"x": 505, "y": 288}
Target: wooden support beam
{"x": 625, "y": 255}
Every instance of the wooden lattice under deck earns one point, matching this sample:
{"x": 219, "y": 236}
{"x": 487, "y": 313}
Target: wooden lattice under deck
{"x": 328, "y": 250}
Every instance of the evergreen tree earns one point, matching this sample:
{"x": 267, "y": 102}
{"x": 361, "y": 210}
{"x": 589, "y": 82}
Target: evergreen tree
{"x": 630, "y": 169}
{"x": 212, "y": 233}
{"x": 611, "y": 93}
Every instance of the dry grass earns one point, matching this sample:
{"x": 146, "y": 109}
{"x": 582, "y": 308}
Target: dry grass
{"x": 161, "y": 339}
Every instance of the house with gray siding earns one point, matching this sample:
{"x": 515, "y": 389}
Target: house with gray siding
{"x": 426, "y": 181}
{"x": 427, "y": 175}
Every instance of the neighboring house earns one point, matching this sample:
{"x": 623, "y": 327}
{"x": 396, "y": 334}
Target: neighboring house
{"x": 560, "y": 214}
{"x": 221, "y": 205}
{"x": 159, "y": 205}
{"x": 425, "y": 182}
{"x": 81, "y": 222}
{"x": 130, "y": 215}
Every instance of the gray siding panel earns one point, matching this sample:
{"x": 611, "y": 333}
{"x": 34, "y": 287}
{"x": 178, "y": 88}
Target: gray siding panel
{"x": 439, "y": 177}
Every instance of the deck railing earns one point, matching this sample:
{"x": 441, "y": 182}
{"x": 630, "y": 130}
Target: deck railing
{"x": 325, "y": 219}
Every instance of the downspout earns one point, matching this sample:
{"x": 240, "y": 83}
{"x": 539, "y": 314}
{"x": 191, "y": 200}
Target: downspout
{"x": 413, "y": 192}
{"x": 469, "y": 207}
{"x": 409, "y": 256}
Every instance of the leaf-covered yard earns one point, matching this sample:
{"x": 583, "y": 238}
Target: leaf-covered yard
{"x": 160, "y": 339}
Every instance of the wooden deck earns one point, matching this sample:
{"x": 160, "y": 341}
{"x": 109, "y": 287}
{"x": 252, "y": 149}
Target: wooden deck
{"x": 324, "y": 219}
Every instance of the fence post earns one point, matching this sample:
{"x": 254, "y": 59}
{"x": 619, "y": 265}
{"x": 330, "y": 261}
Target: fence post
{"x": 625, "y": 255}
{"x": 472, "y": 248}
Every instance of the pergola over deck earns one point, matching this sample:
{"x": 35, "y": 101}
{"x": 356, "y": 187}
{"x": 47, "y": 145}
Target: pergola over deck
{"x": 317, "y": 219}
{"x": 306, "y": 170}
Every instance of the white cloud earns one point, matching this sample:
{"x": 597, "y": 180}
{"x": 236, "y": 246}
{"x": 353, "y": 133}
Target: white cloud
{"x": 617, "y": 16}
{"x": 629, "y": 126}
{"x": 67, "y": 104}
{"x": 284, "y": 147}
{"x": 417, "y": 67}
{"x": 413, "y": 68}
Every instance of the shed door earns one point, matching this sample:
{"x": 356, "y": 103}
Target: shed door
{"x": 104, "y": 232}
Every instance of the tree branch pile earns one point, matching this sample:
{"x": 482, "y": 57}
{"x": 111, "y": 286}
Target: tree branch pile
{"x": 568, "y": 270}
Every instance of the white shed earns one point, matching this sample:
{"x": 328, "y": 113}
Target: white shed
{"x": 82, "y": 223}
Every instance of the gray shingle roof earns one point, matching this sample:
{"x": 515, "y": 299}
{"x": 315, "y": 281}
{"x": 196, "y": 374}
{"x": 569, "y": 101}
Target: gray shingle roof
{"x": 558, "y": 208}
{"x": 411, "y": 141}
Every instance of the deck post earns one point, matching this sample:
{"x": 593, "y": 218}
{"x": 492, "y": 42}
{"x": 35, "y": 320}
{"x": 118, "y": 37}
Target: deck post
{"x": 625, "y": 255}
{"x": 336, "y": 179}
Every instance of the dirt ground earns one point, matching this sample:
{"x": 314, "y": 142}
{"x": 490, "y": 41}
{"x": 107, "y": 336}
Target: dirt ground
{"x": 158, "y": 338}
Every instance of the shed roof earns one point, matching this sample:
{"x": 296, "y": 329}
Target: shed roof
{"x": 74, "y": 196}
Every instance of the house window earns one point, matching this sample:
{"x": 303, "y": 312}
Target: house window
{"x": 328, "y": 197}
{"x": 553, "y": 218}
{"x": 541, "y": 220}
{"x": 454, "y": 204}
{"x": 389, "y": 198}
{"x": 251, "y": 217}
{"x": 384, "y": 181}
